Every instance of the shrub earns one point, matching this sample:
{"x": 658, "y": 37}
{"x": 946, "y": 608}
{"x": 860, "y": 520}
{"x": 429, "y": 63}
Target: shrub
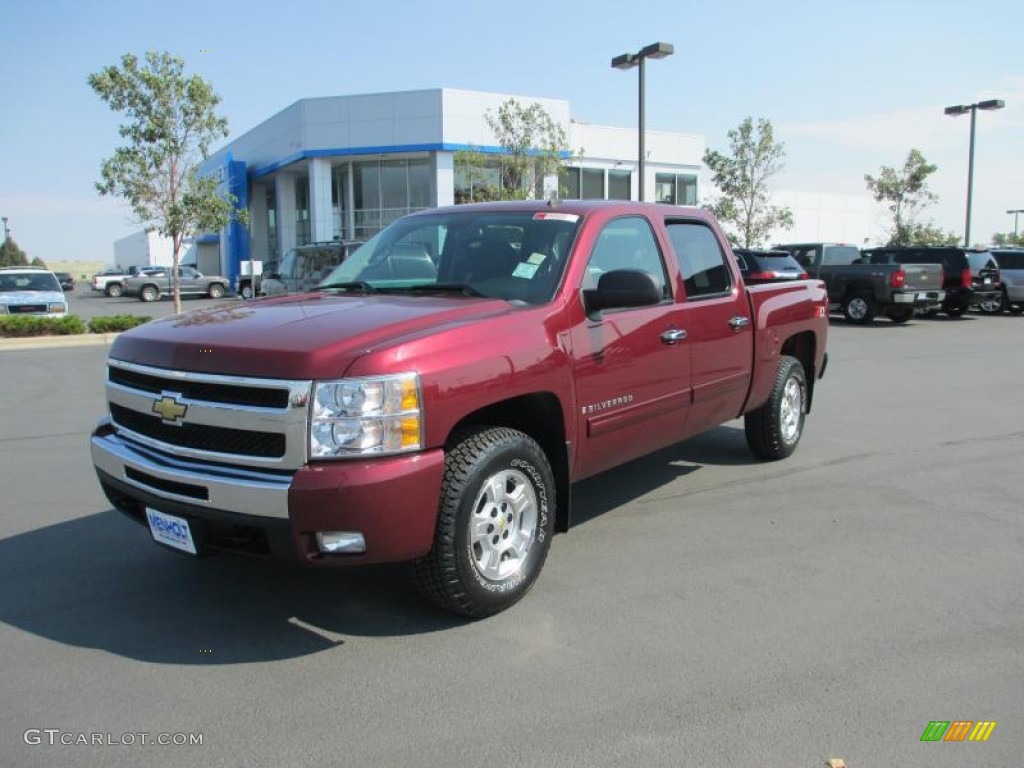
{"x": 13, "y": 326}
{"x": 115, "y": 323}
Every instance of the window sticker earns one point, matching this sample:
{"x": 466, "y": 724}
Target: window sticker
{"x": 536, "y": 258}
{"x": 525, "y": 269}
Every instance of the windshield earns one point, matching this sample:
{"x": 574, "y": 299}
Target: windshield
{"x": 513, "y": 255}
{"x": 980, "y": 260}
{"x": 38, "y": 281}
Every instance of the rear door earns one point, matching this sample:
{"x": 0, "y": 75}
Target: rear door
{"x": 717, "y": 318}
{"x": 632, "y": 366}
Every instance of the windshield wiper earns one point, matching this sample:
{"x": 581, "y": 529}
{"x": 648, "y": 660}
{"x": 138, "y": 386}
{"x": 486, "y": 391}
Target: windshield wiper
{"x": 463, "y": 288}
{"x": 354, "y": 285}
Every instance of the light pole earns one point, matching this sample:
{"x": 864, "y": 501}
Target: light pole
{"x": 1016, "y": 212}
{"x": 7, "y": 231}
{"x": 962, "y": 109}
{"x": 630, "y": 60}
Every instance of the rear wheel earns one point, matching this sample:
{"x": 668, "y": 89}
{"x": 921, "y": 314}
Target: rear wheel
{"x": 774, "y": 429}
{"x": 247, "y": 291}
{"x": 114, "y": 290}
{"x": 900, "y": 315}
{"x": 216, "y": 290}
{"x": 955, "y": 310}
{"x": 494, "y": 524}
{"x": 993, "y": 306}
{"x": 859, "y": 308}
{"x": 149, "y": 293}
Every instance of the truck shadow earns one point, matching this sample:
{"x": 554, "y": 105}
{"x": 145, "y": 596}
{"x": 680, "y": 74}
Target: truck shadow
{"x": 99, "y": 582}
{"x": 721, "y": 446}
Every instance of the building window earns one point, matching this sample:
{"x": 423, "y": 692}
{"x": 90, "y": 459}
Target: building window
{"x": 477, "y": 183}
{"x": 675, "y": 188}
{"x": 569, "y": 183}
{"x": 386, "y": 190}
{"x": 303, "y": 227}
{"x": 271, "y": 223}
{"x": 619, "y": 185}
{"x": 593, "y": 183}
{"x": 339, "y": 200}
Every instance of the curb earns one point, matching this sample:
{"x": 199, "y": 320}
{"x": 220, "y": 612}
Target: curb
{"x": 44, "y": 342}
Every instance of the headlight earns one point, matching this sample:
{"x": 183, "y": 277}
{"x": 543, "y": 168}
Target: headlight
{"x": 57, "y": 309}
{"x": 372, "y": 415}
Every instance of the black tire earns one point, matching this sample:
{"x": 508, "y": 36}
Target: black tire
{"x": 900, "y": 315}
{"x": 993, "y": 306}
{"x": 149, "y": 293}
{"x": 859, "y": 308}
{"x": 247, "y": 291}
{"x": 452, "y": 575}
{"x": 1016, "y": 309}
{"x": 113, "y": 290}
{"x": 773, "y": 431}
{"x": 216, "y": 290}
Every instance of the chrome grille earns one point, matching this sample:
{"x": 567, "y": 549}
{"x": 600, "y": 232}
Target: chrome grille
{"x": 228, "y": 419}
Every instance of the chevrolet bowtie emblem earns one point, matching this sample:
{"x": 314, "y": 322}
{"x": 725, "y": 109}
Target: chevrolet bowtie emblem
{"x": 169, "y": 409}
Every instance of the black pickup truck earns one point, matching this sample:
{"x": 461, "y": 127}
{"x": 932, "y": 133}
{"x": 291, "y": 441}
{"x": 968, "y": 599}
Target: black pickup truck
{"x": 861, "y": 290}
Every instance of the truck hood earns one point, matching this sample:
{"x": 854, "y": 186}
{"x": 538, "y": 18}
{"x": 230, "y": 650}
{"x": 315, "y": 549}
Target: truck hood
{"x": 308, "y": 336}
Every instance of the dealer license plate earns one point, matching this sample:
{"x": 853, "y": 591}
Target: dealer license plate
{"x": 170, "y": 530}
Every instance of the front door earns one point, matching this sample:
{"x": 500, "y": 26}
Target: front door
{"x": 632, "y": 366}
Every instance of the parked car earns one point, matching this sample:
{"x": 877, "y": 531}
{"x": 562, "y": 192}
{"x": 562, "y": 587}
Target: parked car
{"x": 1011, "y": 274}
{"x": 109, "y": 281}
{"x": 251, "y": 286}
{"x": 971, "y": 276}
{"x": 767, "y": 266}
{"x": 153, "y": 282}
{"x": 862, "y": 291}
{"x": 451, "y": 381}
{"x": 303, "y": 267}
{"x": 66, "y": 280}
{"x": 31, "y": 291}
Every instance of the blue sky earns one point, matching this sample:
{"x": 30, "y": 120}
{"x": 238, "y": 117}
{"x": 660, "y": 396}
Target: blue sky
{"x": 848, "y": 87}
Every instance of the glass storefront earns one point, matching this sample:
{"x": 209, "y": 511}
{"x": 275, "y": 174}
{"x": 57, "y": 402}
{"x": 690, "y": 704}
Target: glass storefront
{"x": 675, "y": 188}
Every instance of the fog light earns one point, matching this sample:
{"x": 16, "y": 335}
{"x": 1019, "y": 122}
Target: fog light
{"x": 340, "y": 542}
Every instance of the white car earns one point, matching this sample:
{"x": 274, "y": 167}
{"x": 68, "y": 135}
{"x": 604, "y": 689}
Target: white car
{"x": 31, "y": 291}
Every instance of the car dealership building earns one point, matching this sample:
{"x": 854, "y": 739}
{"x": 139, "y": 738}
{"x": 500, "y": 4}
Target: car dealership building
{"x": 343, "y": 167}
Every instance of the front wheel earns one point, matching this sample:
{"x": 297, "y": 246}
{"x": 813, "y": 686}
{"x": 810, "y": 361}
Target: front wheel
{"x": 216, "y": 290}
{"x": 247, "y": 291}
{"x": 494, "y": 524}
{"x": 859, "y": 308}
{"x": 774, "y": 429}
{"x": 149, "y": 293}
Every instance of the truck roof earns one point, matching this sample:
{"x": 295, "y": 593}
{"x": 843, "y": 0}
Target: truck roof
{"x": 580, "y": 207}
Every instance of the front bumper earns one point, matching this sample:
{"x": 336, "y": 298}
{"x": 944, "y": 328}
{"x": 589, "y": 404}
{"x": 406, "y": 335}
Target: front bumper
{"x": 392, "y": 501}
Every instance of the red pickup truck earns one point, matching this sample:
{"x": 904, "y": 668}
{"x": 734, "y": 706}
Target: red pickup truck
{"x": 435, "y": 399}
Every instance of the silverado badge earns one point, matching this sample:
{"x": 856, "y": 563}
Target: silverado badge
{"x": 169, "y": 409}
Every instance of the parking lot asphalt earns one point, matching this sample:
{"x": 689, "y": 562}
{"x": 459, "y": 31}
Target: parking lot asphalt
{"x": 706, "y": 610}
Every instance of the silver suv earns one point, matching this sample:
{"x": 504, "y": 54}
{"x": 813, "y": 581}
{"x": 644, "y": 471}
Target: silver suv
{"x": 1011, "y": 271}
{"x": 31, "y": 291}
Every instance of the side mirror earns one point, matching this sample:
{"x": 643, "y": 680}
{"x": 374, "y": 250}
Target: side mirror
{"x": 622, "y": 288}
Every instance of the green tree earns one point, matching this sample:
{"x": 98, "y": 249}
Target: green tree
{"x": 170, "y": 122}
{"x": 928, "y": 234}
{"x": 11, "y": 255}
{"x": 1004, "y": 239}
{"x": 743, "y": 205}
{"x": 533, "y": 146}
{"x": 905, "y": 193}
{"x": 37, "y": 262}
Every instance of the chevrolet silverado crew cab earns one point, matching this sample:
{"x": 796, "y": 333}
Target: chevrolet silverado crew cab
{"x": 861, "y": 290}
{"x": 434, "y": 400}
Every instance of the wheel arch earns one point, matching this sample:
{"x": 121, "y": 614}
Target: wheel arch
{"x": 803, "y": 346}
{"x": 539, "y": 415}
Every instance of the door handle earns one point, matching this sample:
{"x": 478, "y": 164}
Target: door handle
{"x": 673, "y": 335}
{"x": 737, "y": 323}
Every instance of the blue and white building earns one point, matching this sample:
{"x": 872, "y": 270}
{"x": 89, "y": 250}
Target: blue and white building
{"x": 343, "y": 167}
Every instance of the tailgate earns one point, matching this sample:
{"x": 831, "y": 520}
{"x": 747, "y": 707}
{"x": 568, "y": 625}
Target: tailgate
{"x": 923, "y": 277}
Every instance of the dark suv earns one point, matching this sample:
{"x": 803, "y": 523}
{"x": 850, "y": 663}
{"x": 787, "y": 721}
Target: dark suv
{"x": 972, "y": 276}
{"x": 767, "y": 266}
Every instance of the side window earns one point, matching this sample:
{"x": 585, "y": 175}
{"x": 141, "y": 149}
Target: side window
{"x": 187, "y": 272}
{"x": 705, "y": 272}
{"x": 626, "y": 243}
{"x": 806, "y": 257}
{"x": 841, "y": 254}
